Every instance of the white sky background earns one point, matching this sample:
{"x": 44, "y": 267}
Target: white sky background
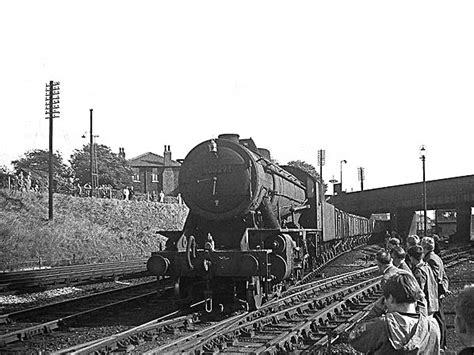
{"x": 368, "y": 81}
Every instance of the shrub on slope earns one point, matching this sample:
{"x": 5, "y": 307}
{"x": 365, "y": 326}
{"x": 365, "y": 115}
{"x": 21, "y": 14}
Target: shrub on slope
{"x": 83, "y": 229}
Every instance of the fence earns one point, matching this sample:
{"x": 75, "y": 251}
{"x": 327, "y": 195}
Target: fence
{"x": 100, "y": 192}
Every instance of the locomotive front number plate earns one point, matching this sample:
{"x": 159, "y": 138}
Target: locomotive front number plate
{"x": 218, "y": 169}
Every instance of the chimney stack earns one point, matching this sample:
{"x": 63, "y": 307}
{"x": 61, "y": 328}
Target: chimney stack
{"x": 121, "y": 153}
{"x": 167, "y": 156}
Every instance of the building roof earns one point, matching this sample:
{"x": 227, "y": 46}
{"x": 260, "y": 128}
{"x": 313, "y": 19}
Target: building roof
{"x": 150, "y": 160}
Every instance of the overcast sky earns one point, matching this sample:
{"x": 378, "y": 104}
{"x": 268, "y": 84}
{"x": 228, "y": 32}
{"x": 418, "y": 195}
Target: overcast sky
{"x": 368, "y": 81}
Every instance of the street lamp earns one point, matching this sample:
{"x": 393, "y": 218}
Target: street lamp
{"x": 423, "y": 158}
{"x": 93, "y": 162}
{"x": 344, "y": 161}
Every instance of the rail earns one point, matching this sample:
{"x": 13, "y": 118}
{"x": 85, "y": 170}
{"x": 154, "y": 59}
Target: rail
{"x": 47, "y": 319}
{"x": 127, "y": 341}
{"x": 69, "y": 275}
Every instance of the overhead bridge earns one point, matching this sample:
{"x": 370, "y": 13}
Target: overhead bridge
{"x": 401, "y": 201}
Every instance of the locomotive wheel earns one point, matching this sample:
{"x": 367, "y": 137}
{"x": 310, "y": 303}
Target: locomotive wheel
{"x": 254, "y": 293}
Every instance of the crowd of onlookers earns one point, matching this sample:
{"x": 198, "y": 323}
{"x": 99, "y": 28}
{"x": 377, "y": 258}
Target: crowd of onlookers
{"x": 24, "y": 182}
{"x": 21, "y": 182}
{"x": 409, "y": 317}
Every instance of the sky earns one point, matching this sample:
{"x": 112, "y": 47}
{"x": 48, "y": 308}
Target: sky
{"x": 367, "y": 81}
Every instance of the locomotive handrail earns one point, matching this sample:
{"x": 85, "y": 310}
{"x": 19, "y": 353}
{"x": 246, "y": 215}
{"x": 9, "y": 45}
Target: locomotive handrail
{"x": 288, "y": 177}
{"x": 288, "y": 197}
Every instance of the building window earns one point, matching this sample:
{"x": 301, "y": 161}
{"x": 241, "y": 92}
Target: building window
{"x": 154, "y": 175}
{"x": 136, "y": 174}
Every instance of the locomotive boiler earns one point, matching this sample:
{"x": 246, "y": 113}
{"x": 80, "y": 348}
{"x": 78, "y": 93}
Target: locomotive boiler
{"x": 253, "y": 226}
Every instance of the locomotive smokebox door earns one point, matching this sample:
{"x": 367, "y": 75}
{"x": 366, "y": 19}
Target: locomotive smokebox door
{"x": 217, "y": 186}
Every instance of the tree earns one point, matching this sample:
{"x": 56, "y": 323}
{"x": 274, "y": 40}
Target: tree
{"x": 36, "y": 162}
{"x": 112, "y": 169}
{"x": 310, "y": 169}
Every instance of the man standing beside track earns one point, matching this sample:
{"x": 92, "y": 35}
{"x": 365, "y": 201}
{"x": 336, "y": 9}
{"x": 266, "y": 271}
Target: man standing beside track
{"x": 402, "y": 330}
{"x": 398, "y": 258}
{"x": 424, "y": 275}
{"x": 384, "y": 262}
{"x": 437, "y": 265}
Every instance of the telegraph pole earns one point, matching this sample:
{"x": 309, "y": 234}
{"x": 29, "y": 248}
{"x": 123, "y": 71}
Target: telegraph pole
{"x": 423, "y": 158}
{"x": 321, "y": 161}
{"x": 92, "y": 154}
{"x": 52, "y": 111}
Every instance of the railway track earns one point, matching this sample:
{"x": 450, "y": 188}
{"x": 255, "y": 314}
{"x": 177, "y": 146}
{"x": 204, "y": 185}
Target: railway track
{"x": 309, "y": 327}
{"x": 70, "y": 275}
{"x": 28, "y": 323}
{"x": 456, "y": 255}
{"x": 197, "y": 335}
{"x": 308, "y": 317}
{"x": 334, "y": 253}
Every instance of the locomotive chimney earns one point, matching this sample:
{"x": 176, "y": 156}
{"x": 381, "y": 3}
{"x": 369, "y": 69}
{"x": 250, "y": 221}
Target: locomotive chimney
{"x": 265, "y": 153}
{"x": 233, "y": 137}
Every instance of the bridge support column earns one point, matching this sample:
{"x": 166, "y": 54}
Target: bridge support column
{"x": 401, "y": 220}
{"x": 463, "y": 222}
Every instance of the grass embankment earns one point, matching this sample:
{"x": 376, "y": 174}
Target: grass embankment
{"x": 83, "y": 229}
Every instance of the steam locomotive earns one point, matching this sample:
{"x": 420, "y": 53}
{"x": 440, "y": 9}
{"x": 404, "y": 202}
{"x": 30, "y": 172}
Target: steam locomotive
{"x": 253, "y": 228}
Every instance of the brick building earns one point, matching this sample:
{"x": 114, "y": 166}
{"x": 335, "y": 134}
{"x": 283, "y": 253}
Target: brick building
{"x": 153, "y": 172}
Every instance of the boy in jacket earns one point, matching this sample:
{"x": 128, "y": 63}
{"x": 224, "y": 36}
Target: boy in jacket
{"x": 464, "y": 321}
{"x": 401, "y": 330}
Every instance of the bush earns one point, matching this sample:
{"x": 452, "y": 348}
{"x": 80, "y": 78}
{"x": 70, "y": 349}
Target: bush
{"x": 83, "y": 229}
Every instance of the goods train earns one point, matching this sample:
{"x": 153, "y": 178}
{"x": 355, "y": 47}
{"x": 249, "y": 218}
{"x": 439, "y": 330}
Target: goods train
{"x": 253, "y": 227}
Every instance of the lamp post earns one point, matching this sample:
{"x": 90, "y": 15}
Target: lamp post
{"x": 344, "y": 161}
{"x": 423, "y": 158}
{"x": 94, "y": 174}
